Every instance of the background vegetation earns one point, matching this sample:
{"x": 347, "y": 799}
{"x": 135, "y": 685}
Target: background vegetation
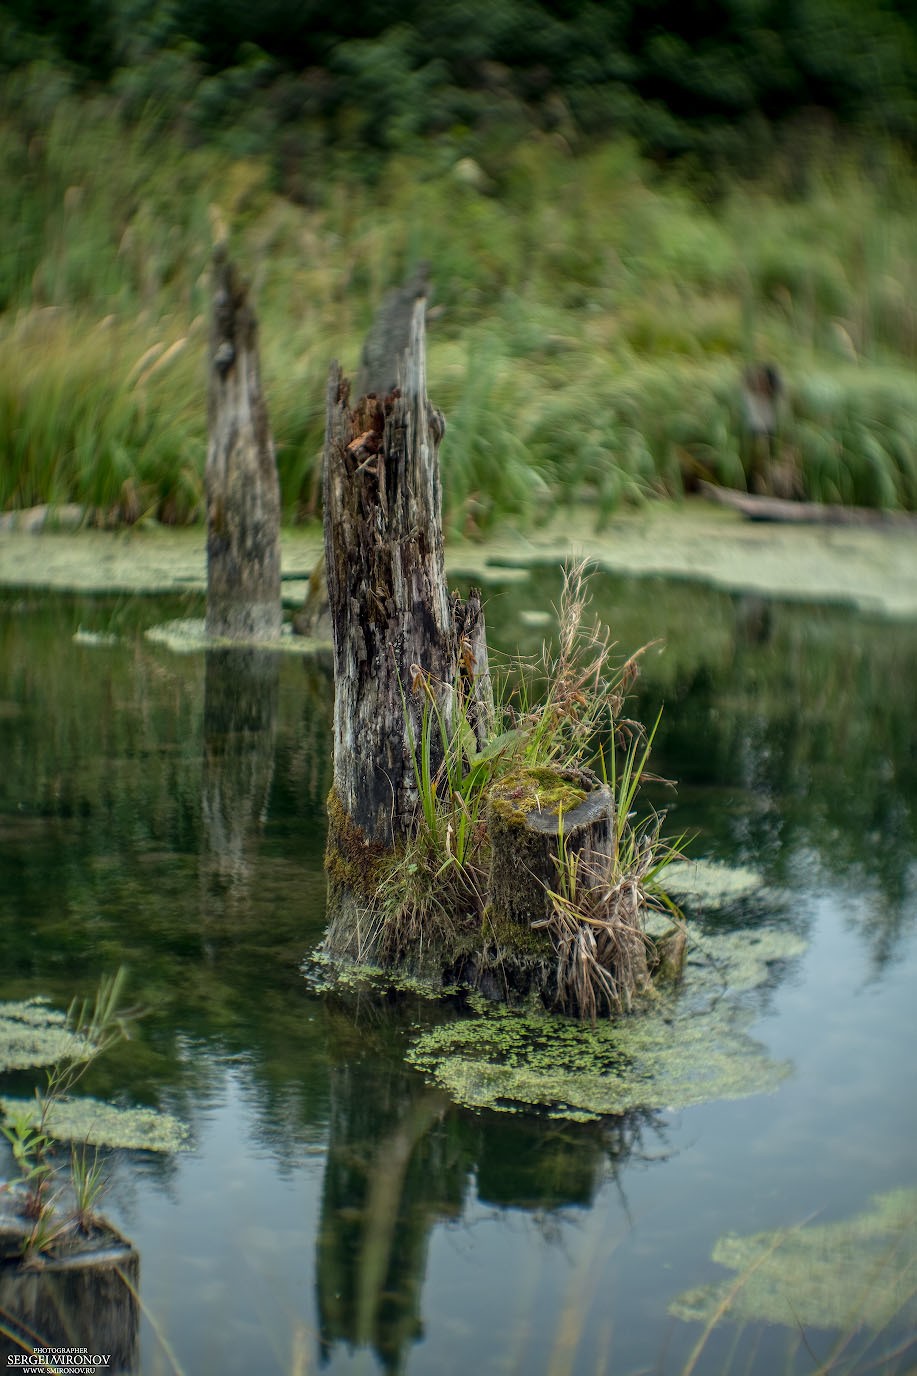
{"x": 621, "y": 205}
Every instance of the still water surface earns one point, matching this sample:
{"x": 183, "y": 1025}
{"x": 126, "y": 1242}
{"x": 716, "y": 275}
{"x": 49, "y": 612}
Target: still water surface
{"x": 337, "y": 1212}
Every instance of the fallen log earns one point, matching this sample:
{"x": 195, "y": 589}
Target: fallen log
{"x": 757, "y": 508}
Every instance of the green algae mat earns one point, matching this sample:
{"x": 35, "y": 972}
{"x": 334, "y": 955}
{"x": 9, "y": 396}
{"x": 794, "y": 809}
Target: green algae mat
{"x": 33, "y": 1034}
{"x": 873, "y": 570}
{"x": 853, "y": 1272}
{"x": 685, "y": 1047}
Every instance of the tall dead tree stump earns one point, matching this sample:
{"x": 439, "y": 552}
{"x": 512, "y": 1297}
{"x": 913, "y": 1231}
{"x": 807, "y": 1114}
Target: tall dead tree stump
{"x": 390, "y": 610}
{"x": 243, "y": 491}
{"x": 411, "y": 667}
{"x": 394, "y": 624}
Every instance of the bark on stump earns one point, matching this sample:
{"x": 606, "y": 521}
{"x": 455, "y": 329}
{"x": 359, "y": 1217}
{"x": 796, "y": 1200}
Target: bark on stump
{"x": 390, "y": 610}
{"x": 243, "y": 492}
{"x": 84, "y": 1294}
{"x": 392, "y": 619}
{"x": 382, "y": 353}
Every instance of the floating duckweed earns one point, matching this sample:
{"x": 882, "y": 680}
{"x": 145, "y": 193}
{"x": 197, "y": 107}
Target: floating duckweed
{"x": 857, "y": 1271}
{"x": 326, "y": 975}
{"x": 34, "y": 1034}
{"x": 689, "y": 1047}
{"x": 189, "y": 635}
{"x": 105, "y": 1125}
{"x": 98, "y": 639}
{"x": 707, "y": 884}
{"x": 509, "y": 1061}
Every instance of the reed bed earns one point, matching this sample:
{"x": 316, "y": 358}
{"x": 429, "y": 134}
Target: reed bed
{"x": 589, "y": 324}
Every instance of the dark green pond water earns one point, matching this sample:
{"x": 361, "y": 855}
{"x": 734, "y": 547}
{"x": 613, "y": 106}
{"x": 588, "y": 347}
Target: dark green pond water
{"x": 336, "y": 1211}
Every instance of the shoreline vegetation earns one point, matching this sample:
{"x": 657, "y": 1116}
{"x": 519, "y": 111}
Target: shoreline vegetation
{"x": 593, "y": 310}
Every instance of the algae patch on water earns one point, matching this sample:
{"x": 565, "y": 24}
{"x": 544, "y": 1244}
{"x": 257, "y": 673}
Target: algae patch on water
{"x": 687, "y": 1047}
{"x": 105, "y": 1125}
{"x": 709, "y": 885}
{"x": 34, "y": 1034}
{"x": 188, "y": 635}
{"x": 855, "y": 1272}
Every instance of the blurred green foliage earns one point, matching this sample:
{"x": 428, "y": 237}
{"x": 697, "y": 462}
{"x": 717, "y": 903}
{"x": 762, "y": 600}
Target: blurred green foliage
{"x": 592, "y": 312}
{"x": 676, "y": 77}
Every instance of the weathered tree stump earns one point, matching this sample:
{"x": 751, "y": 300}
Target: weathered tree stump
{"x": 390, "y": 335}
{"x": 84, "y": 1293}
{"x": 390, "y": 610}
{"x": 394, "y": 625}
{"x": 243, "y": 491}
{"x": 558, "y": 921}
{"x": 383, "y": 350}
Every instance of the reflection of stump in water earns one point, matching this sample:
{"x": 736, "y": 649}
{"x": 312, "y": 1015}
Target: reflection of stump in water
{"x": 389, "y": 1175}
{"x": 309, "y": 761}
{"x": 401, "y": 1158}
{"x": 240, "y": 722}
{"x": 81, "y": 1300}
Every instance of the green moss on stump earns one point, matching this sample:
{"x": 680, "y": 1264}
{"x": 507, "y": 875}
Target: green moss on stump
{"x": 533, "y": 817}
{"x": 351, "y": 861}
{"x": 528, "y": 790}
{"x": 505, "y": 934}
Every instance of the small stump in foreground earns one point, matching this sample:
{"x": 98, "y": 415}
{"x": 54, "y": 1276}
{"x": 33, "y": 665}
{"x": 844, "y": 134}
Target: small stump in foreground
{"x": 540, "y": 821}
{"x": 82, "y": 1293}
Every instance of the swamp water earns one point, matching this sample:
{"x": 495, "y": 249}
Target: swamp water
{"x": 337, "y": 1208}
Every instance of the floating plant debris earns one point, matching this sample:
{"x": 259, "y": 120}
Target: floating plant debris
{"x": 709, "y": 885}
{"x": 855, "y": 1272}
{"x": 188, "y": 635}
{"x": 97, "y": 639}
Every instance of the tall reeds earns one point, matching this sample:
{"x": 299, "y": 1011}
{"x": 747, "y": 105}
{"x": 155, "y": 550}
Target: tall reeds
{"x": 589, "y": 323}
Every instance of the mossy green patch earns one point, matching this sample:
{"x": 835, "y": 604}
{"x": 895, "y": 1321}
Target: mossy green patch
{"x": 350, "y": 860}
{"x": 509, "y": 935}
{"x": 541, "y": 789}
{"x": 106, "y": 1125}
{"x": 326, "y": 975}
{"x": 686, "y": 1047}
{"x": 875, "y": 570}
{"x": 34, "y": 1034}
{"x": 860, "y": 1271}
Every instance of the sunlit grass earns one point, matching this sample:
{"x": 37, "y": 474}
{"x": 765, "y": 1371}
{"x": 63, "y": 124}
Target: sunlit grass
{"x": 588, "y": 330}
